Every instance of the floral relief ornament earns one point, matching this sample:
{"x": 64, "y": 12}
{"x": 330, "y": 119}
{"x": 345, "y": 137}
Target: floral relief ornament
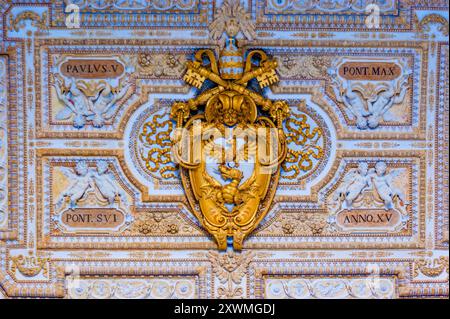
{"x": 18, "y": 22}
{"x": 162, "y": 65}
{"x": 230, "y": 268}
{"x": 31, "y": 265}
{"x": 431, "y": 268}
{"x": 160, "y": 223}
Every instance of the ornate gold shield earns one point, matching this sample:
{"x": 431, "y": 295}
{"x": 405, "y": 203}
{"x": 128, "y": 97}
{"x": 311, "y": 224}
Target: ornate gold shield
{"x": 229, "y": 142}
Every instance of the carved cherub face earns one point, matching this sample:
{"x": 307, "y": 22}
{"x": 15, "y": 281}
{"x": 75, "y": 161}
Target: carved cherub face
{"x": 232, "y": 27}
{"x": 363, "y": 168}
{"x": 102, "y": 167}
{"x": 380, "y": 168}
{"x": 81, "y": 168}
{"x": 172, "y": 61}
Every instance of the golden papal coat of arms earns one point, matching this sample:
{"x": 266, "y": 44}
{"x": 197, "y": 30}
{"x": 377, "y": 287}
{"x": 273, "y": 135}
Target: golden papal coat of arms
{"x": 229, "y": 141}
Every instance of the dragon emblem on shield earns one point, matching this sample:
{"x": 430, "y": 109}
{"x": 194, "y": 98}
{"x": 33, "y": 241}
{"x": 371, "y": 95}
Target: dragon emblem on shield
{"x": 229, "y": 141}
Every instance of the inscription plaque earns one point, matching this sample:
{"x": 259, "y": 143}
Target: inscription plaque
{"x": 99, "y": 218}
{"x": 92, "y": 68}
{"x": 371, "y": 220}
{"x": 371, "y": 71}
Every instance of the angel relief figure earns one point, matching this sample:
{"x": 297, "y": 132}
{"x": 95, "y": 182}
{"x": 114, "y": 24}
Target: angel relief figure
{"x": 369, "y": 102}
{"x": 232, "y": 18}
{"x": 383, "y": 183}
{"x": 376, "y": 179}
{"x": 354, "y": 182}
{"x": 352, "y": 100}
{"x": 79, "y": 186}
{"x": 103, "y": 105}
{"x": 76, "y": 104}
{"x": 106, "y": 184}
{"x": 379, "y": 109}
{"x": 84, "y": 102}
{"x": 87, "y": 180}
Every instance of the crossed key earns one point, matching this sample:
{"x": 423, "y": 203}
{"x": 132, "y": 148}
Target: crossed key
{"x": 193, "y": 78}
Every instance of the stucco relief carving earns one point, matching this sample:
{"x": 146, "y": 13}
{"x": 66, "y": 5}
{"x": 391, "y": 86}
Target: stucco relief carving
{"x": 329, "y": 288}
{"x": 377, "y": 178}
{"x": 134, "y": 288}
{"x": 3, "y": 144}
{"x": 371, "y": 196}
{"x": 369, "y": 101}
{"x": 88, "y": 100}
{"x": 91, "y": 187}
{"x": 85, "y": 179}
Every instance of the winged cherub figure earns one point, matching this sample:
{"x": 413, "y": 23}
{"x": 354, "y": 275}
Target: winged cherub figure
{"x": 384, "y": 185}
{"x": 88, "y": 179}
{"x": 352, "y": 100}
{"x": 386, "y": 99}
{"x": 81, "y": 183}
{"x": 354, "y": 182}
{"x": 76, "y": 104}
{"x": 105, "y": 182}
{"x": 231, "y": 18}
{"x": 104, "y": 105}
